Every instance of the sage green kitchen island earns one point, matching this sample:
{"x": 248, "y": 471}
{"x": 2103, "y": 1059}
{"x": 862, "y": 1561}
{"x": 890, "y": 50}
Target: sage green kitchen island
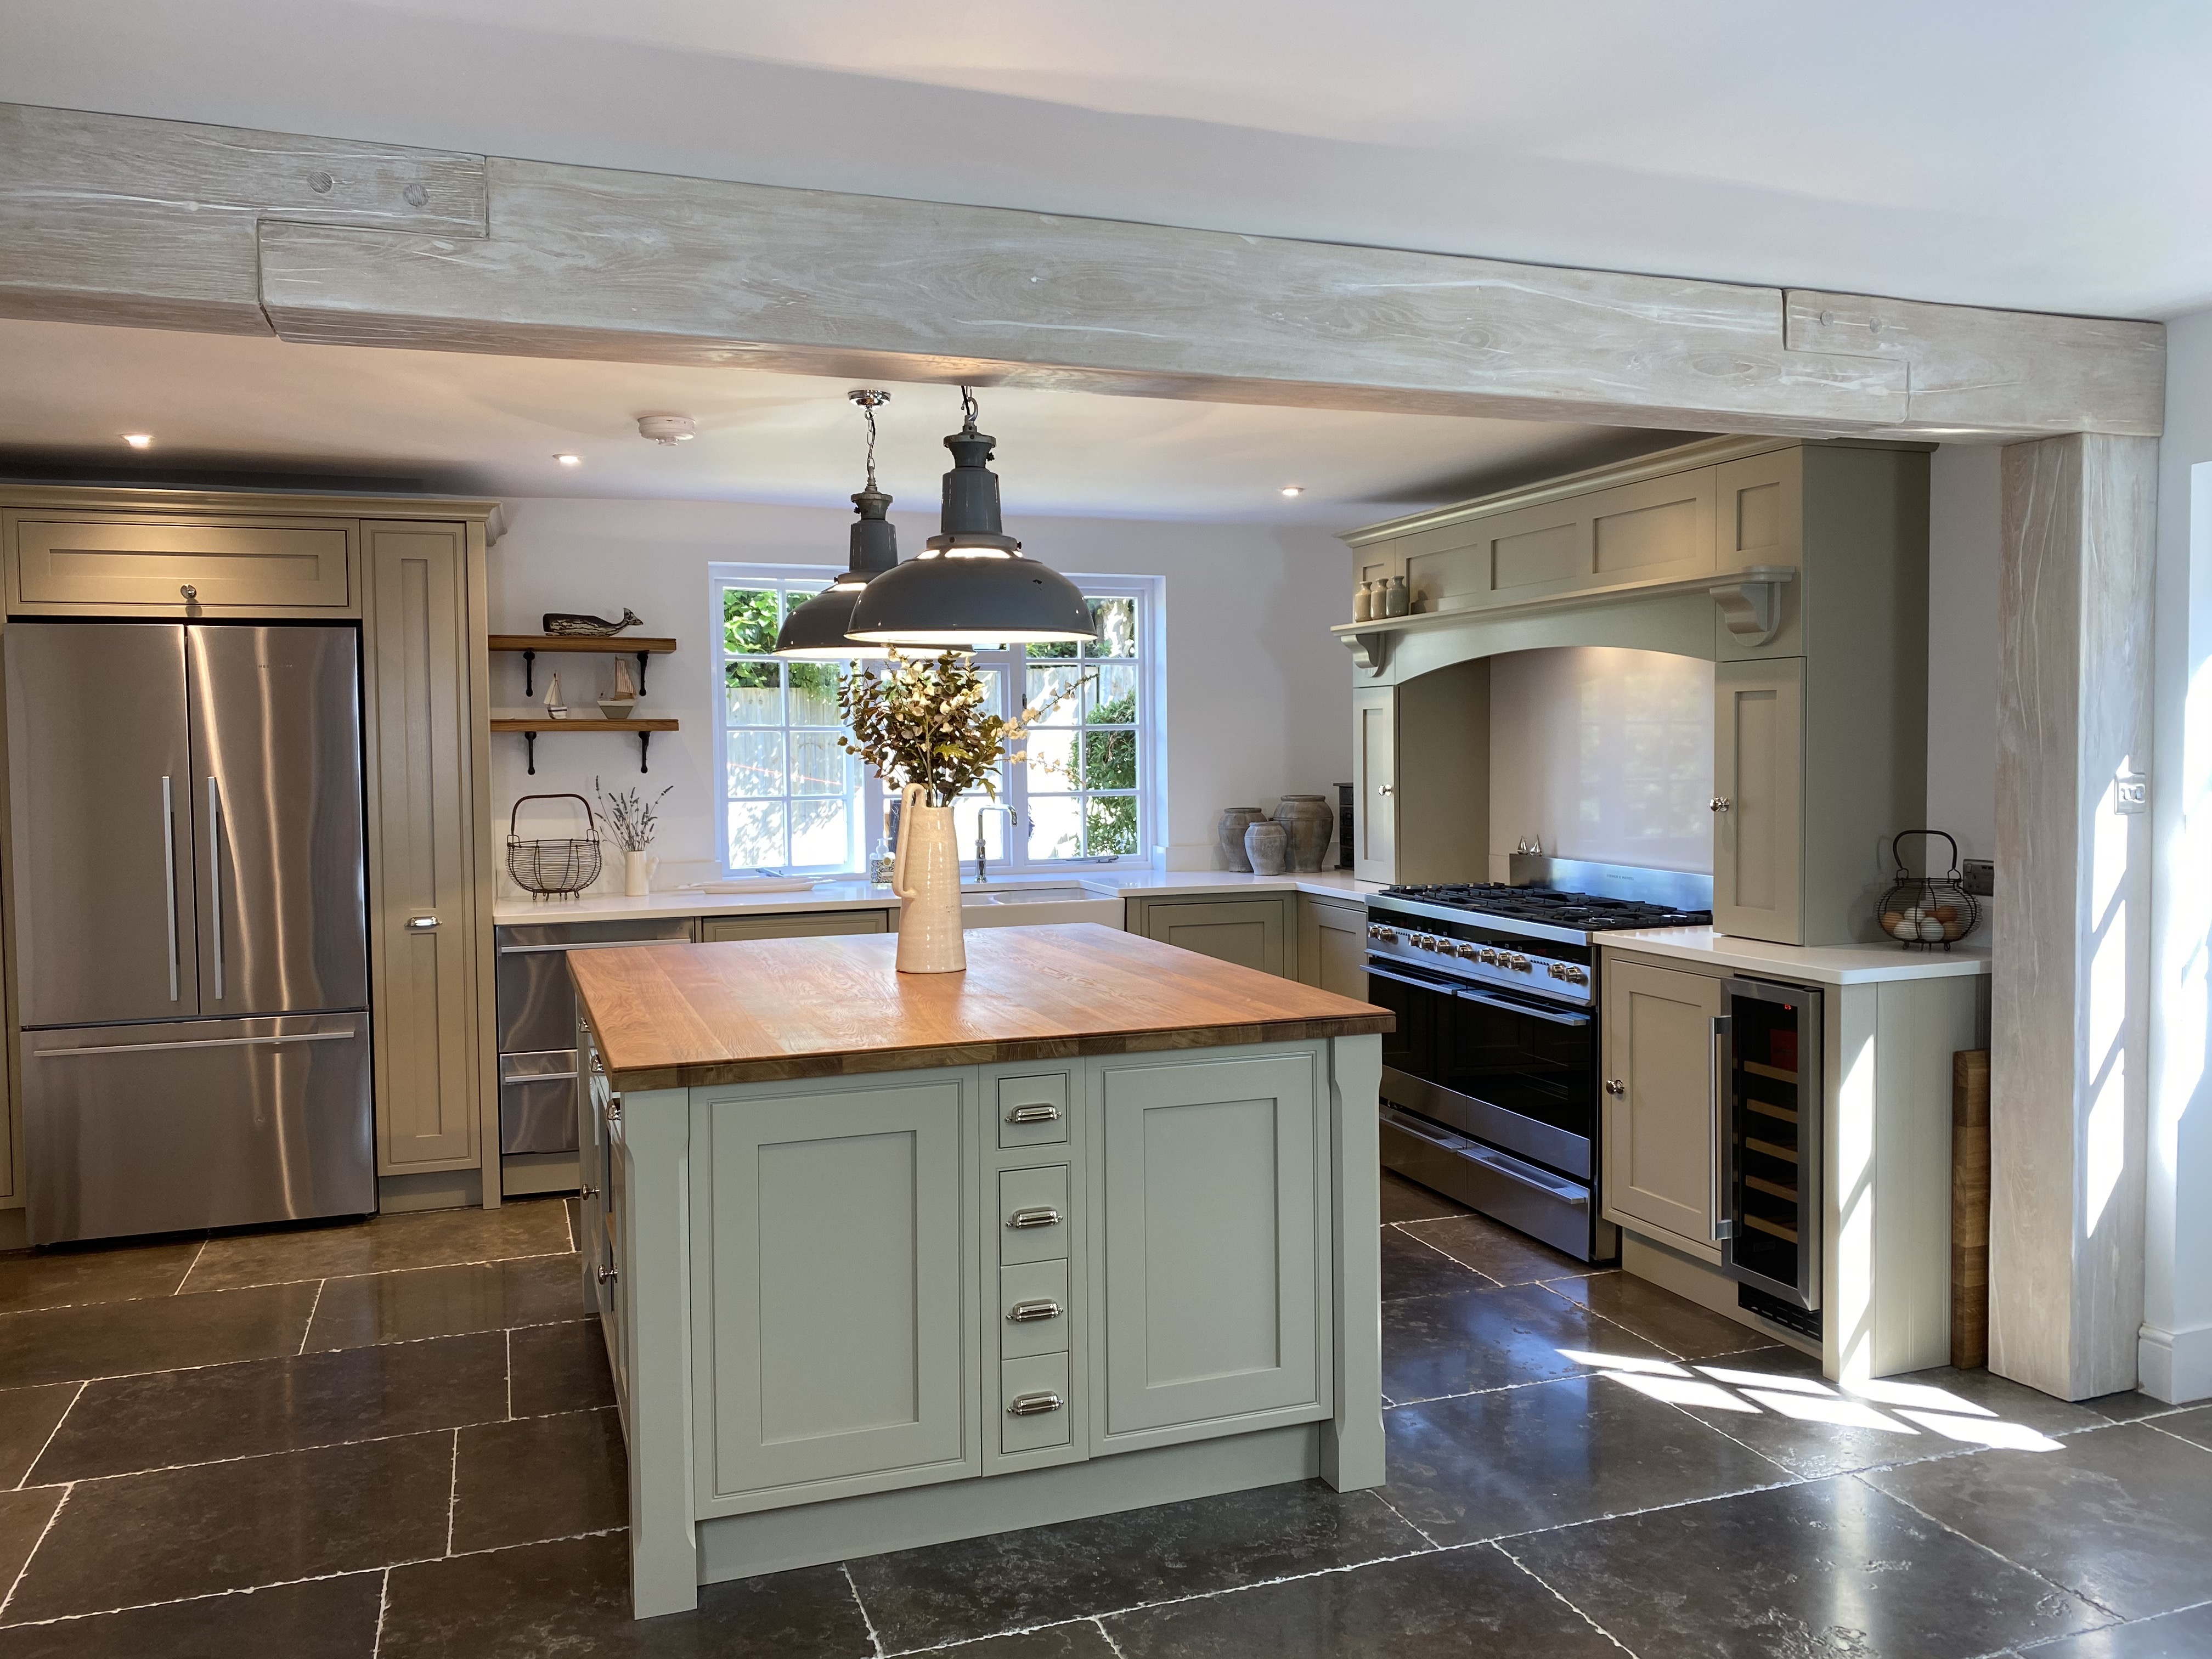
{"x": 887, "y": 1260}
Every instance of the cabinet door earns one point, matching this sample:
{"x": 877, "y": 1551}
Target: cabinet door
{"x": 1214, "y": 1194}
{"x": 1332, "y": 947}
{"x": 1375, "y": 758}
{"x": 423, "y": 954}
{"x": 1660, "y": 1159}
{"x": 1758, "y": 792}
{"x": 833, "y": 1245}
{"x": 1250, "y": 932}
{"x": 210, "y": 567}
{"x": 714, "y": 930}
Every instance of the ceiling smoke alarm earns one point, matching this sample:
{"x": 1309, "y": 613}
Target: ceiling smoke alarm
{"x": 667, "y": 429}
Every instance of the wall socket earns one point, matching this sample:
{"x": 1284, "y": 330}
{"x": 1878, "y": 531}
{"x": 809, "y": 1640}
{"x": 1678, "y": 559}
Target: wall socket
{"x": 1978, "y": 877}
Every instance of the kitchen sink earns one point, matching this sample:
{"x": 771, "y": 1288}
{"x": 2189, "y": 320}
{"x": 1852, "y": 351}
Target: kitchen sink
{"x": 1038, "y": 907}
{"x": 1024, "y": 895}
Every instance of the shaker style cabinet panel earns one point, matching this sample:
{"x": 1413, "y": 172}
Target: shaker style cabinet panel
{"x": 72, "y": 566}
{"x": 1333, "y": 946}
{"x": 1758, "y": 785}
{"x": 1661, "y": 1168}
{"x": 1374, "y": 763}
{"x": 838, "y": 1305}
{"x": 1250, "y": 932}
{"x": 425, "y": 956}
{"x": 1216, "y": 1193}
{"x": 714, "y": 930}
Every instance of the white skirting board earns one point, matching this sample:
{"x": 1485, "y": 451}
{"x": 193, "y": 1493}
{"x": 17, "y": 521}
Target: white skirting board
{"x": 2175, "y": 1366}
{"x": 774, "y": 1541}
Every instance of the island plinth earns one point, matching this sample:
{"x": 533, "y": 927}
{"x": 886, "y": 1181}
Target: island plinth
{"x": 887, "y": 1260}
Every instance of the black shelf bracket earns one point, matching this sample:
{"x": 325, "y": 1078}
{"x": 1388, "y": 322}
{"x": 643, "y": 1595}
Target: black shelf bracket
{"x": 644, "y": 738}
{"x": 530, "y": 743}
{"x": 643, "y": 657}
{"x": 529, "y": 660}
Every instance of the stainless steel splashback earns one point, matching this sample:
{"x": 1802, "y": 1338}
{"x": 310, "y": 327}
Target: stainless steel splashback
{"x": 1683, "y": 890}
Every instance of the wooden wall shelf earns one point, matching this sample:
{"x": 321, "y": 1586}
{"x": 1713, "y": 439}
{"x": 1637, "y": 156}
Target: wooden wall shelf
{"x": 530, "y": 729}
{"x": 610, "y": 645}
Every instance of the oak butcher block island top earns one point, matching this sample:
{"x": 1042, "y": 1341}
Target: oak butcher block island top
{"x": 887, "y": 1260}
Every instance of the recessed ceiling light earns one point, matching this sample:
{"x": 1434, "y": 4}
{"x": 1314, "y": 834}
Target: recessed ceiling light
{"x": 1294, "y": 489}
{"x": 139, "y": 439}
{"x": 569, "y": 460}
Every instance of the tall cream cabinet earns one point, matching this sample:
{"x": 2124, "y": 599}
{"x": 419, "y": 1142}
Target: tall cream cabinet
{"x": 411, "y": 572}
{"x": 1799, "y": 569}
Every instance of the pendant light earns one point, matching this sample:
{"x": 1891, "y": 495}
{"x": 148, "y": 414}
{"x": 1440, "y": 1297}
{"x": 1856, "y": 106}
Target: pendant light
{"x": 816, "y": 629}
{"x": 970, "y": 586}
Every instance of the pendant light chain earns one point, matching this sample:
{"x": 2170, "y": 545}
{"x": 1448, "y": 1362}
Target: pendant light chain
{"x": 969, "y": 410}
{"x": 869, "y": 403}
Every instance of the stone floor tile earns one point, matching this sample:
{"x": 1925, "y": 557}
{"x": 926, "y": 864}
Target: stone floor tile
{"x": 23, "y": 1518}
{"x": 384, "y": 1243}
{"x": 541, "y": 1477}
{"x": 981, "y": 1586}
{"x": 1658, "y": 1316}
{"x": 1472, "y": 1602}
{"x": 1819, "y": 1569}
{"x": 68, "y": 1274}
{"x": 1085, "y": 1640}
{"x": 1465, "y": 1340}
{"x": 572, "y": 1599}
{"x": 2186, "y": 1635}
{"x": 121, "y": 1339}
{"x": 412, "y": 1304}
{"x": 559, "y": 1368}
{"x": 2121, "y": 1515}
{"x": 323, "y": 1619}
{"x": 1513, "y": 1460}
{"x": 1411, "y": 1268}
{"x": 179, "y": 1533}
{"x": 263, "y": 1406}
{"x": 27, "y": 1416}
{"x": 2128, "y": 1406}
{"x": 1496, "y": 1251}
{"x": 1407, "y": 1200}
{"x": 2194, "y": 1425}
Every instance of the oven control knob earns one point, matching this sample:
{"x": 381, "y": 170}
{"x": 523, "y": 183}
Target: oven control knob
{"x": 1520, "y": 965}
{"x": 1557, "y": 969}
{"x": 1463, "y": 949}
{"x": 1574, "y": 975}
{"x": 1489, "y": 956}
{"x": 1614, "y": 1085}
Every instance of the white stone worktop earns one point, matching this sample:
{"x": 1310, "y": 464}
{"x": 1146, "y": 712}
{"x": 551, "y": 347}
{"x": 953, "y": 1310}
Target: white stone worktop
{"x": 863, "y": 895}
{"x": 1822, "y": 964}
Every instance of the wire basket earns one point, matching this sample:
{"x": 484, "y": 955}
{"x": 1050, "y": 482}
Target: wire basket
{"x": 1927, "y": 913}
{"x": 554, "y": 869}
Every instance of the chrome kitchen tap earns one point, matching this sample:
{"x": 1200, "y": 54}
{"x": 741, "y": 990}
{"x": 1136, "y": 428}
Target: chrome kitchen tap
{"x": 982, "y": 847}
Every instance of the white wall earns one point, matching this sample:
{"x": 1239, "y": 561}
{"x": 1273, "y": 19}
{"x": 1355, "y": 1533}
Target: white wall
{"x": 1259, "y": 697}
{"x": 1963, "y": 553}
{"x": 2176, "y": 1350}
{"x": 1602, "y": 753}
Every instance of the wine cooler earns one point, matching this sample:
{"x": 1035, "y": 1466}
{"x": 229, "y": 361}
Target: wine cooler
{"x": 1770, "y": 1085}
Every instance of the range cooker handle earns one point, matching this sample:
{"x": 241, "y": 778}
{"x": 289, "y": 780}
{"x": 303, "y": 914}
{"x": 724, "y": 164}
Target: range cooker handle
{"x": 1560, "y": 1017}
{"x": 1438, "y": 986}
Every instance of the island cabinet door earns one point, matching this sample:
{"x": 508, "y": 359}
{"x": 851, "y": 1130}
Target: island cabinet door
{"x": 836, "y": 1233}
{"x": 1215, "y": 1184}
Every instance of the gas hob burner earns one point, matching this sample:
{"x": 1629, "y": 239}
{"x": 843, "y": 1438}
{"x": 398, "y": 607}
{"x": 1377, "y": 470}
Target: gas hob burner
{"x": 1587, "y": 912}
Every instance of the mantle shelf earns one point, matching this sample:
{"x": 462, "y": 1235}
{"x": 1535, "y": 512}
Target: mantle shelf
{"x": 610, "y": 645}
{"x": 529, "y": 730}
{"x": 1368, "y": 641}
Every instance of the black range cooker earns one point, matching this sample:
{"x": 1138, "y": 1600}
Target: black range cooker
{"x": 1490, "y": 1082}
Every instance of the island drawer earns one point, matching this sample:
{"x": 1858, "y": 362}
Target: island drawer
{"x": 1033, "y": 1403}
{"x": 1025, "y": 1293}
{"x": 1033, "y": 1215}
{"x": 1033, "y": 1110}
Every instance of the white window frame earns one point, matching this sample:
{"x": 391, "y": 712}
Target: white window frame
{"x": 1149, "y": 593}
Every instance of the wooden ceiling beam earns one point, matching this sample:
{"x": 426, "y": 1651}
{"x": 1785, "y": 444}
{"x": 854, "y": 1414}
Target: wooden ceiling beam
{"x": 146, "y": 223}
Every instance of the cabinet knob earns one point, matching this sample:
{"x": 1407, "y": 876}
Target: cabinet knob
{"x": 1028, "y": 1313}
{"x": 422, "y": 924}
{"x": 1387, "y": 789}
{"x": 1034, "y": 1405}
{"x": 607, "y": 1275}
{"x": 1614, "y": 1085}
{"x": 1720, "y": 803}
{"x": 188, "y": 592}
{"x": 1033, "y": 1114}
{"x": 587, "y": 1192}
{"x": 1022, "y": 1219}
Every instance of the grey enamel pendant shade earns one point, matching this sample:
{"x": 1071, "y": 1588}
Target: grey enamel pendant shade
{"x": 971, "y": 587}
{"x": 817, "y": 629}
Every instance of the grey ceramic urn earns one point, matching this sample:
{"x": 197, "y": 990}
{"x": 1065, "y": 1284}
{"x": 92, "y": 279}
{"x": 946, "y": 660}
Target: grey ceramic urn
{"x": 1309, "y": 820}
{"x": 1267, "y": 844}
{"x": 1229, "y": 835}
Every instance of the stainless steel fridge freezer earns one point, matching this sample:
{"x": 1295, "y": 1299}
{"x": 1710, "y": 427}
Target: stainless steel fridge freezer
{"x": 190, "y": 924}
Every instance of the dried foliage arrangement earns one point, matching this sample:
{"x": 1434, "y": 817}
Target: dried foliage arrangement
{"x": 923, "y": 719}
{"x": 631, "y": 820}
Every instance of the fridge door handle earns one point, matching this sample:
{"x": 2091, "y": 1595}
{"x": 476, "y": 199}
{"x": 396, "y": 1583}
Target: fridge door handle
{"x": 345, "y": 1036}
{"x": 214, "y": 878}
{"x": 169, "y": 876}
{"x": 1724, "y": 1153}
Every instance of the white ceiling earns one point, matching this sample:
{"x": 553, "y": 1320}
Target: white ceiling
{"x": 477, "y": 425}
{"x": 2052, "y": 154}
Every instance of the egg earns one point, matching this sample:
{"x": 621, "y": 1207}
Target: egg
{"x": 1906, "y": 929}
{"x": 1890, "y": 919}
{"x": 1931, "y": 930}
{"x": 1946, "y": 913}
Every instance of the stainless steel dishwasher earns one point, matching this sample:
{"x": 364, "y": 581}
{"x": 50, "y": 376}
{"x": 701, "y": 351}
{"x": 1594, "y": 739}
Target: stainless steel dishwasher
{"x": 538, "y": 1040}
